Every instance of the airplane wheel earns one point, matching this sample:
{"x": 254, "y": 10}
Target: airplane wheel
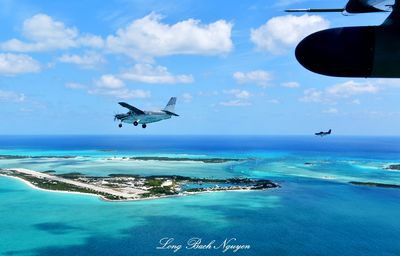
{"x": 144, "y": 126}
{"x": 135, "y": 123}
{"x": 120, "y": 125}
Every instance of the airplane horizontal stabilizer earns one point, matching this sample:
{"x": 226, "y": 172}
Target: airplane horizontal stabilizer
{"x": 169, "y": 113}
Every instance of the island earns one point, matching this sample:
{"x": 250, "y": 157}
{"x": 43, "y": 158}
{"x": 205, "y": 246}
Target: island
{"x": 374, "y": 184}
{"x": 125, "y": 187}
{"x": 214, "y": 160}
{"x": 164, "y": 158}
{"x": 393, "y": 167}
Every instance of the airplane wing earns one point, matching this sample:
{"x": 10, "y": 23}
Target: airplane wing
{"x": 364, "y": 6}
{"x": 131, "y": 108}
{"x": 358, "y": 6}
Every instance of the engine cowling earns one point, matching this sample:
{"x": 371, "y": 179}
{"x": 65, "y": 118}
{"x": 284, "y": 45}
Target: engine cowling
{"x": 372, "y": 51}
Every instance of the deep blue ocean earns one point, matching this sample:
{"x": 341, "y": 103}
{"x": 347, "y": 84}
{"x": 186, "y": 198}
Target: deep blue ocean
{"x": 315, "y": 212}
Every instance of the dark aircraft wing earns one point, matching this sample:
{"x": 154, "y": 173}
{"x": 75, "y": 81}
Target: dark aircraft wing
{"x": 357, "y": 6}
{"x": 364, "y": 6}
{"x": 131, "y": 108}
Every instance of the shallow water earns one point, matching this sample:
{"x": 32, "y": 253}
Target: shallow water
{"x": 315, "y": 212}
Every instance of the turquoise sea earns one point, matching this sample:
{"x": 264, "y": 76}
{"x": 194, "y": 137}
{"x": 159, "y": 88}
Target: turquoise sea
{"x": 315, "y": 212}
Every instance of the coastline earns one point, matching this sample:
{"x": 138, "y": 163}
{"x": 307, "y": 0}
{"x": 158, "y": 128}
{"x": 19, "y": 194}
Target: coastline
{"x": 47, "y": 190}
{"x": 127, "y": 199}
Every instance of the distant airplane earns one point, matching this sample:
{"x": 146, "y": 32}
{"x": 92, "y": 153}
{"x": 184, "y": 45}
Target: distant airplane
{"x": 322, "y": 134}
{"x": 358, "y": 51}
{"x": 136, "y": 116}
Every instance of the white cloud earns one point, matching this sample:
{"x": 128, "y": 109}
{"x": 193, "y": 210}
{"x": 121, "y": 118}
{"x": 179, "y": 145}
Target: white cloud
{"x": 88, "y": 60}
{"x": 241, "y": 98}
{"x": 187, "y": 97}
{"x": 147, "y": 73}
{"x": 91, "y": 41}
{"x": 330, "y": 111}
{"x": 350, "y": 88}
{"x": 110, "y": 82}
{"x": 13, "y": 64}
{"x": 44, "y": 33}
{"x": 280, "y": 33}
{"x": 240, "y": 94}
{"x": 312, "y": 95}
{"x": 109, "y": 85}
{"x": 123, "y": 93}
{"x": 148, "y": 37}
{"x": 259, "y": 77}
{"x": 235, "y": 103}
{"x": 343, "y": 90}
{"x": 10, "y": 96}
{"x": 75, "y": 86}
{"x": 291, "y": 84}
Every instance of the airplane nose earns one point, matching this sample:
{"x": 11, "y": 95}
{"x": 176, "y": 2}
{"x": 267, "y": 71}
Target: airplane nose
{"x": 343, "y": 52}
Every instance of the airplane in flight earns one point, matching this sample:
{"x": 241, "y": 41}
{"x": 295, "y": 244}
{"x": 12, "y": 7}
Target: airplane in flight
{"x": 322, "y": 134}
{"x": 136, "y": 116}
{"x": 361, "y": 51}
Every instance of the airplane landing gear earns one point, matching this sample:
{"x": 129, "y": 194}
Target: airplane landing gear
{"x": 144, "y": 126}
{"x": 120, "y": 125}
{"x": 135, "y": 123}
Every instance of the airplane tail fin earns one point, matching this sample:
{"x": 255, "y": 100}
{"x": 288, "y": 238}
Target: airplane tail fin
{"x": 329, "y": 132}
{"x": 170, "y": 107}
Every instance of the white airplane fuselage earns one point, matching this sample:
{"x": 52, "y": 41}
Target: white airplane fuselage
{"x": 148, "y": 117}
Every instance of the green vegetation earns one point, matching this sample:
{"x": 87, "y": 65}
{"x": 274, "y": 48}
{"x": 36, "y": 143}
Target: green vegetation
{"x": 153, "y": 182}
{"x": 393, "y": 167}
{"x": 374, "y": 184}
{"x": 52, "y": 185}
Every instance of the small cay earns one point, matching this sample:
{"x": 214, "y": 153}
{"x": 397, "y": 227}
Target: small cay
{"x": 374, "y": 184}
{"x": 120, "y": 187}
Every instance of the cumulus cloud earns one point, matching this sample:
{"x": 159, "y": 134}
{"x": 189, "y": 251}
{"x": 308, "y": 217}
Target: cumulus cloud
{"x": 148, "y": 37}
{"x": 110, "y": 82}
{"x": 123, "y": 93}
{"x": 241, "y": 98}
{"x": 88, "y": 60}
{"x": 280, "y": 33}
{"x": 110, "y": 85}
{"x": 312, "y": 95}
{"x": 10, "y": 96}
{"x": 342, "y": 90}
{"x": 147, "y": 73}
{"x": 13, "y": 64}
{"x": 187, "y": 97}
{"x": 259, "y": 77}
{"x": 350, "y": 88}
{"x": 44, "y": 33}
{"x": 291, "y": 84}
{"x": 330, "y": 111}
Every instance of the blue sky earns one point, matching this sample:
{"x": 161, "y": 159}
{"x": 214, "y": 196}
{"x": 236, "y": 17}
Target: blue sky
{"x": 64, "y": 65}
